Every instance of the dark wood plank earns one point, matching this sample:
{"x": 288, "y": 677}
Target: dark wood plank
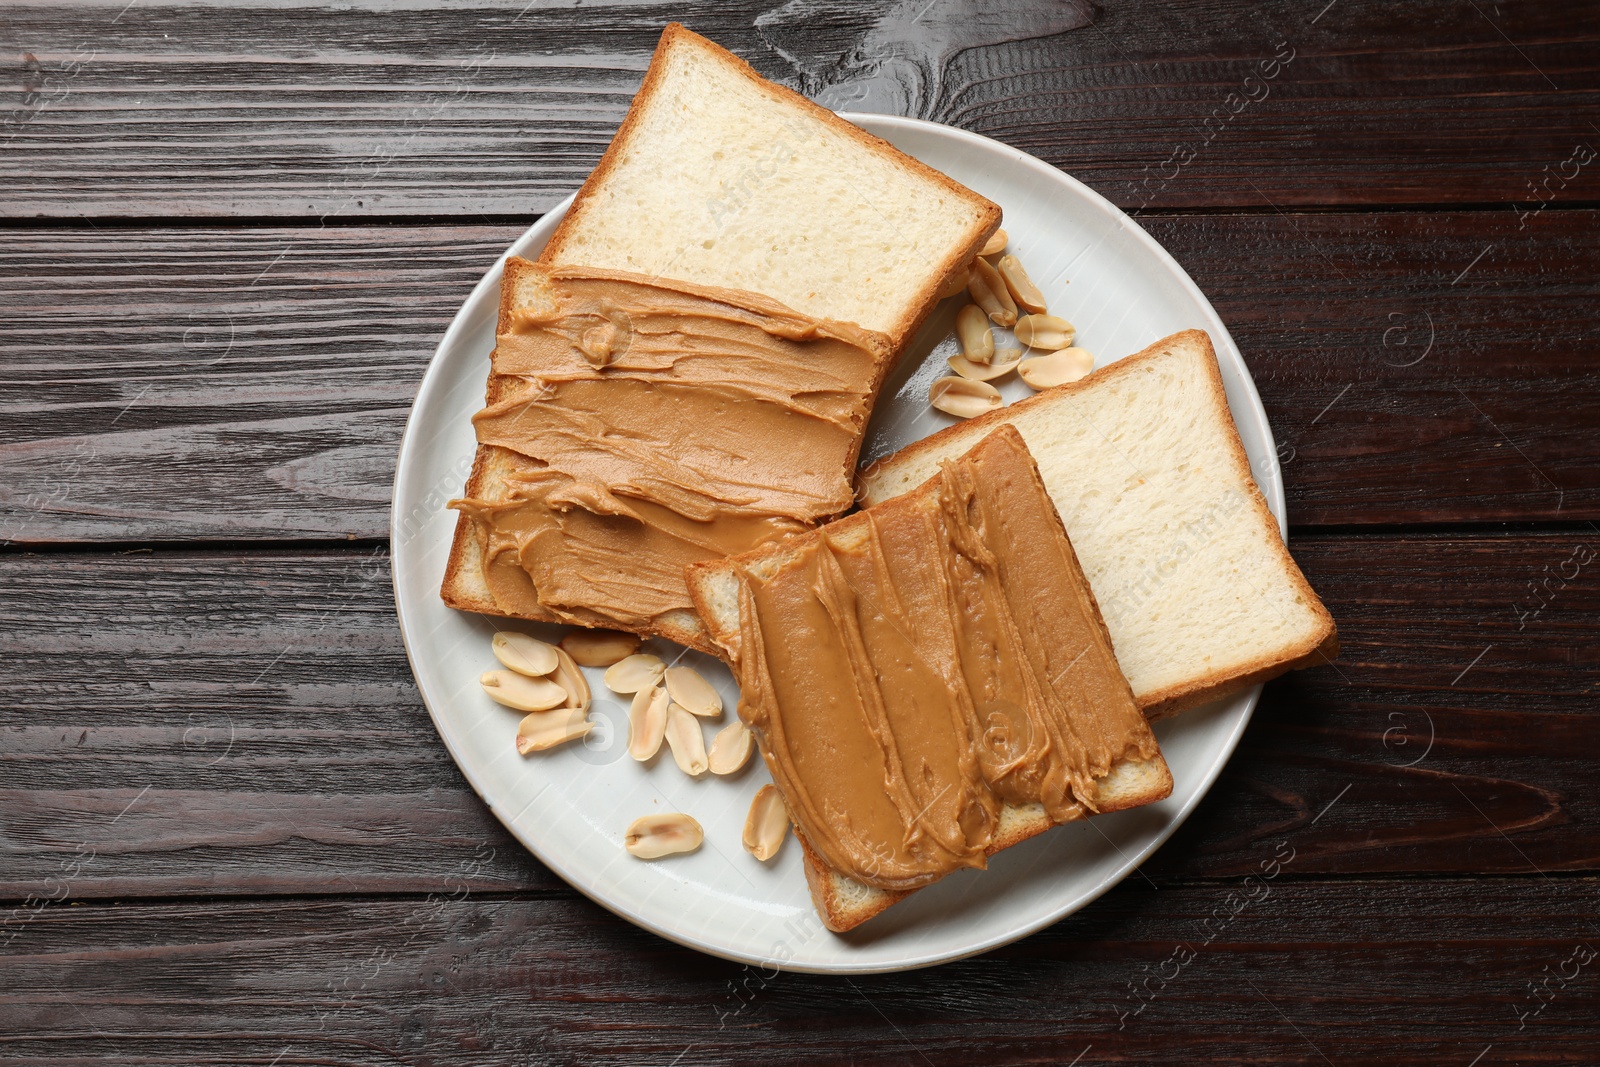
{"x": 500, "y": 107}
{"x": 170, "y": 383}
{"x": 1449, "y": 735}
{"x": 254, "y": 383}
{"x": 1272, "y": 971}
{"x": 205, "y": 722}
{"x": 1416, "y": 368}
{"x": 227, "y": 724}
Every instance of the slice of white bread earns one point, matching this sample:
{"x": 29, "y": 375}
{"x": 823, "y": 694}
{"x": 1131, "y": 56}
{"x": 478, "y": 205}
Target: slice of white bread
{"x": 720, "y": 177}
{"x": 1147, "y": 471}
{"x": 842, "y": 901}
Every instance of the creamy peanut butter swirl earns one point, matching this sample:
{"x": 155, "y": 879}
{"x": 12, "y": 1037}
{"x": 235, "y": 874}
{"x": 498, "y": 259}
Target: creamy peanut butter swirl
{"x": 639, "y": 425}
{"x": 912, "y": 669}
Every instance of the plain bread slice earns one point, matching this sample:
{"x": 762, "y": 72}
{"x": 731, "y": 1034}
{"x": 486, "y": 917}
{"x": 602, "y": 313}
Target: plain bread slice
{"x": 1145, "y": 466}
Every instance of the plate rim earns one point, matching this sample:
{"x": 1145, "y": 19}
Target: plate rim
{"x": 1274, "y": 491}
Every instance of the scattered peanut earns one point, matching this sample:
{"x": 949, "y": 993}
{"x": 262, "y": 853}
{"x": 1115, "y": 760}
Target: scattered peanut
{"x": 988, "y": 291}
{"x": 571, "y": 679}
{"x": 962, "y": 397}
{"x": 1058, "y": 368}
{"x": 731, "y": 748}
{"x": 599, "y": 648}
{"x": 972, "y": 330}
{"x": 1023, "y": 291}
{"x": 633, "y": 673}
{"x": 1005, "y": 361}
{"x": 767, "y": 824}
{"x": 664, "y": 834}
{"x": 647, "y": 722}
{"x": 693, "y": 693}
{"x": 524, "y": 654}
{"x": 518, "y": 691}
{"x": 995, "y": 245}
{"x": 1045, "y": 331}
{"x": 547, "y": 729}
{"x": 688, "y": 744}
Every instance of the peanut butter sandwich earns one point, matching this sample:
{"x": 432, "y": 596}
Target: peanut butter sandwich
{"x": 930, "y": 681}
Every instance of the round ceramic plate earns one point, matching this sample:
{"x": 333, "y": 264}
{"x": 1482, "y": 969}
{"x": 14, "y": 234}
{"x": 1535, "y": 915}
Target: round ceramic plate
{"x": 571, "y": 805}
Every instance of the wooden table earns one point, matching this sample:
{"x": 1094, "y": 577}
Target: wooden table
{"x": 232, "y": 238}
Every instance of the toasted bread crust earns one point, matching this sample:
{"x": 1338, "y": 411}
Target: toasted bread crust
{"x": 677, "y": 35}
{"x": 1321, "y": 647}
{"x": 844, "y": 904}
{"x": 1165, "y": 703}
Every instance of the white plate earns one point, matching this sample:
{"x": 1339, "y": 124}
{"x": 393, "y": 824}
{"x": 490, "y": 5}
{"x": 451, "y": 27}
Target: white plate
{"x": 570, "y": 806}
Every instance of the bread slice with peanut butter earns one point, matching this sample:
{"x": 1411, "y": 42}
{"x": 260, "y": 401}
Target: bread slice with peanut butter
{"x": 634, "y": 426}
{"x": 718, "y": 180}
{"x": 930, "y": 681}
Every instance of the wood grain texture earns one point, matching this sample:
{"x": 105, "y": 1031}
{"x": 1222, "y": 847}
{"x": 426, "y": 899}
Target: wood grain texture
{"x": 1444, "y": 736}
{"x": 1415, "y": 367}
{"x": 218, "y": 383}
{"x": 254, "y": 383}
{"x": 248, "y": 724}
{"x": 1289, "y": 974}
{"x": 228, "y": 831}
{"x": 301, "y": 109}
{"x": 230, "y": 724}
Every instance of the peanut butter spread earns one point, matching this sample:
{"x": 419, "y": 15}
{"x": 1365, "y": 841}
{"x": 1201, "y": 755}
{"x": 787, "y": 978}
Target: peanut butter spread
{"x": 912, "y": 669}
{"x": 639, "y": 425}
